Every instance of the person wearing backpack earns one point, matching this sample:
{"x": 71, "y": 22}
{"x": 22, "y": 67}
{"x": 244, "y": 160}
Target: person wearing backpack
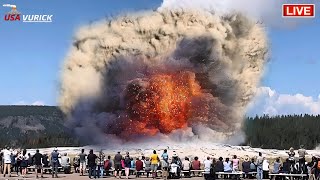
{"x": 107, "y": 165}
{"x": 127, "y": 164}
{"x": 139, "y": 167}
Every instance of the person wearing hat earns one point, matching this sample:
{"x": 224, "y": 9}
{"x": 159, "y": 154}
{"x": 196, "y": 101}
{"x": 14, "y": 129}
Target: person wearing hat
{"x": 246, "y": 167}
{"x": 175, "y": 166}
{"x": 55, "y": 162}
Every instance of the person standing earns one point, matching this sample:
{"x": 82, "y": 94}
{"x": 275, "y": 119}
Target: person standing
{"x": 83, "y": 165}
{"x": 127, "y": 165}
{"x": 117, "y": 165}
{"x": 38, "y": 159}
{"x": 1, "y": 163}
{"x": 24, "y": 163}
{"x": 259, "y": 166}
{"x": 265, "y": 168}
{"x": 147, "y": 166}
{"x": 15, "y": 157}
{"x": 165, "y": 164}
{"x": 313, "y": 168}
{"x": 101, "y": 164}
{"x": 165, "y": 167}
{"x": 154, "y": 163}
{"x": 55, "y": 162}
{"x": 165, "y": 156}
{"x": 92, "y": 164}
{"x": 29, "y": 159}
{"x": 139, "y": 166}
{"x": 45, "y": 160}
{"x": 292, "y": 159}
{"x": 7, "y": 161}
{"x": 107, "y": 165}
{"x": 302, "y": 156}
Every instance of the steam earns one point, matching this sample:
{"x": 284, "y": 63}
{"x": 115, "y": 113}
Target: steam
{"x": 226, "y": 55}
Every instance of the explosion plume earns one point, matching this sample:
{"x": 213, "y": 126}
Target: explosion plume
{"x": 177, "y": 75}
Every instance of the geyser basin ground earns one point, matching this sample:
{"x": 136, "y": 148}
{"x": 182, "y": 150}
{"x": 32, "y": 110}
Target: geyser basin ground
{"x": 190, "y": 150}
{"x": 173, "y": 75}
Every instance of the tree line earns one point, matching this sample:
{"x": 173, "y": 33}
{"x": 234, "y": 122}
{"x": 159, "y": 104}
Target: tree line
{"x": 282, "y": 132}
{"x": 43, "y": 126}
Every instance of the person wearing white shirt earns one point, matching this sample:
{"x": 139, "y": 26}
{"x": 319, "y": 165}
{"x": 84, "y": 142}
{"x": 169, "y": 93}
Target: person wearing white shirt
{"x": 227, "y": 167}
{"x": 186, "y": 165}
{"x": 7, "y": 161}
{"x": 65, "y": 163}
{"x": 207, "y": 165}
{"x": 265, "y": 168}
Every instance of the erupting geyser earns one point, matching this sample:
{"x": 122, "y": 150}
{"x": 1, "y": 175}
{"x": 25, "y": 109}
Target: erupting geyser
{"x": 162, "y": 103}
{"x": 162, "y": 74}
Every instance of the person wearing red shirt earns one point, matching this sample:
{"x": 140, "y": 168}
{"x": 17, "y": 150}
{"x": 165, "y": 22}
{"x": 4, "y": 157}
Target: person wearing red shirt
{"x": 139, "y": 166}
{"x": 195, "y": 164}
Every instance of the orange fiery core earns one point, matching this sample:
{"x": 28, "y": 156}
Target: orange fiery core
{"x": 163, "y": 105}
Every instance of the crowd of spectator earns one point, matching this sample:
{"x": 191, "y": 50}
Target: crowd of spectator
{"x": 97, "y": 165}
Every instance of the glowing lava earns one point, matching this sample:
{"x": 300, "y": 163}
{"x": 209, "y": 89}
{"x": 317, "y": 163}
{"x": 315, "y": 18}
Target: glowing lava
{"x": 160, "y": 103}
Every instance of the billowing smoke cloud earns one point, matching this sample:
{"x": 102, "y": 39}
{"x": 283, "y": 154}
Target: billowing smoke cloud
{"x": 179, "y": 75}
